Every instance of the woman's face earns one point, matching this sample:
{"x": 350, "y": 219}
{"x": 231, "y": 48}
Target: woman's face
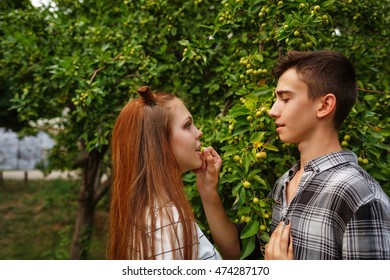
{"x": 185, "y": 137}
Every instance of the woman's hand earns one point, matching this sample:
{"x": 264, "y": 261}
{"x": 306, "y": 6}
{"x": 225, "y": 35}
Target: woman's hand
{"x": 280, "y": 246}
{"x": 208, "y": 175}
{"x": 224, "y": 233}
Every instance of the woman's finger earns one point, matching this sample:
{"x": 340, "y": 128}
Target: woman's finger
{"x": 272, "y": 246}
{"x": 215, "y": 159}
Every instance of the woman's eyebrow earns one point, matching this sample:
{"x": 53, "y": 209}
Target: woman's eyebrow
{"x": 188, "y": 118}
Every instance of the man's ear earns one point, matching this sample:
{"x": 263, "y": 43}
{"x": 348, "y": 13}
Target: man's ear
{"x": 326, "y": 105}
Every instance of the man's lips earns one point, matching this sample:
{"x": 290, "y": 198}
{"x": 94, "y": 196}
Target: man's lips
{"x": 279, "y": 126}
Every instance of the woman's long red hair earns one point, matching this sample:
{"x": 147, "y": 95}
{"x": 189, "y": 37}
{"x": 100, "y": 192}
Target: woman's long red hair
{"x": 145, "y": 176}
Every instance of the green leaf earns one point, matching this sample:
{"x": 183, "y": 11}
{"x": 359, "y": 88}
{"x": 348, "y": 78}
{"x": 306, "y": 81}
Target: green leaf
{"x": 229, "y": 151}
{"x": 250, "y": 229}
{"x": 257, "y": 137}
{"x": 184, "y": 42}
{"x": 238, "y": 169}
{"x": 382, "y": 146}
{"x": 311, "y": 38}
{"x": 247, "y": 160}
{"x": 271, "y": 147}
{"x": 240, "y": 130}
{"x": 239, "y": 111}
{"x": 259, "y": 57}
{"x": 253, "y": 173}
{"x": 243, "y": 195}
{"x": 258, "y": 179}
{"x": 264, "y": 236}
{"x": 370, "y": 97}
{"x": 229, "y": 178}
{"x": 248, "y": 245}
{"x": 327, "y": 3}
{"x": 244, "y": 210}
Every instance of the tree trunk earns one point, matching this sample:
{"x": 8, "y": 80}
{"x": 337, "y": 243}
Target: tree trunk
{"x": 91, "y": 190}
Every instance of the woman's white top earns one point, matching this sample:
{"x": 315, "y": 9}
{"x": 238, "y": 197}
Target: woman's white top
{"x": 170, "y": 223}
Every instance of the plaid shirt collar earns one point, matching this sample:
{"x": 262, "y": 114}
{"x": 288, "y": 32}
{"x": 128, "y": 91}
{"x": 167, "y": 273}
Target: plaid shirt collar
{"x": 317, "y": 165}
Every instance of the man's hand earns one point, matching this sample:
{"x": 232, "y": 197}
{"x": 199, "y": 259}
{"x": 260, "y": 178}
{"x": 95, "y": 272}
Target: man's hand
{"x": 280, "y": 246}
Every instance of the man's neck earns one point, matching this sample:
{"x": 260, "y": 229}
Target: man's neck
{"x": 318, "y": 146}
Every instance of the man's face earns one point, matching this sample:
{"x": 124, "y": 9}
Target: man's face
{"x": 294, "y": 113}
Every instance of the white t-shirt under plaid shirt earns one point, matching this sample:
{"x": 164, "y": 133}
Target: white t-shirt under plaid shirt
{"x": 339, "y": 211}
{"x": 165, "y": 250}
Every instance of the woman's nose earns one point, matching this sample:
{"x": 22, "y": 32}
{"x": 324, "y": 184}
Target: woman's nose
{"x": 199, "y": 133}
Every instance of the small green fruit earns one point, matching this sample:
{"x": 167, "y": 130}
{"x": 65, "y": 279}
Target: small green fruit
{"x": 261, "y": 155}
{"x": 263, "y": 109}
{"x": 246, "y": 184}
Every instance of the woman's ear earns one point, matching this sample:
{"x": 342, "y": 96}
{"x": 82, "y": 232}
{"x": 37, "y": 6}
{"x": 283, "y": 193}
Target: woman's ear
{"x": 326, "y": 105}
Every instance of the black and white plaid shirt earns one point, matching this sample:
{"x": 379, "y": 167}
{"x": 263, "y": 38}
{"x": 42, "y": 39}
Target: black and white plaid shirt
{"x": 339, "y": 211}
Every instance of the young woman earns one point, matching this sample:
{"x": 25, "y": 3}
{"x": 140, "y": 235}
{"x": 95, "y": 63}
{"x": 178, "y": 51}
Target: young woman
{"x": 154, "y": 142}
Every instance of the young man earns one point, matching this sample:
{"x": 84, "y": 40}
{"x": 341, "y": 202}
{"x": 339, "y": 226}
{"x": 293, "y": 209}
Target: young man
{"x": 327, "y": 207}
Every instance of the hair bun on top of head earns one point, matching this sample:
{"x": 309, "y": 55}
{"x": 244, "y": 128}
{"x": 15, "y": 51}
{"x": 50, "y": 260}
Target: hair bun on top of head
{"x": 146, "y": 95}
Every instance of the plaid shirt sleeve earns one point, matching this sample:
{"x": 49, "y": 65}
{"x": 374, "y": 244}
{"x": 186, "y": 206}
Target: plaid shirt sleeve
{"x": 375, "y": 242}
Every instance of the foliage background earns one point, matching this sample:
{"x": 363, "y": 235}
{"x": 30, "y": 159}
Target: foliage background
{"x": 83, "y": 60}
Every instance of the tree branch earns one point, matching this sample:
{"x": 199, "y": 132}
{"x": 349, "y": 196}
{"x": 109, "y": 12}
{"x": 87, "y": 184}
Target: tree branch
{"x": 368, "y": 90}
{"x": 102, "y": 190}
{"x": 101, "y": 68}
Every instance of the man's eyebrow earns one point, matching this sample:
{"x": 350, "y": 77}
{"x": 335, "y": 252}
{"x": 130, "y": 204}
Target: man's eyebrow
{"x": 281, "y": 92}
